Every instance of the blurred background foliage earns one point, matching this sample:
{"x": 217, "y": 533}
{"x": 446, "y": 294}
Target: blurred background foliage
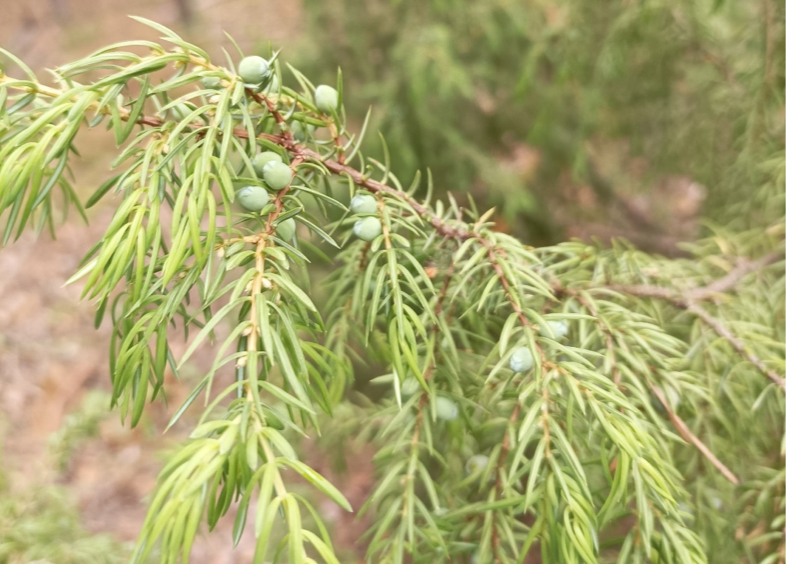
{"x": 42, "y": 525}
{"x": 40, "y": 522}
{"x": 569, "y": 115}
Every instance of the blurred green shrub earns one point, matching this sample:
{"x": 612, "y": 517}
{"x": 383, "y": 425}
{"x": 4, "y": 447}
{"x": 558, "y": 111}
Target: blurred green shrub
{"x": 79, "y": 426}
{"x": 514, "y": 100}
{"x": 43, "y": 526}
{"x": 40, "y": 523}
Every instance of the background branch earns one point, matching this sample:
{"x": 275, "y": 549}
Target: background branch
{"x": 688, "y": 301}
{"x": 688, "y": 435}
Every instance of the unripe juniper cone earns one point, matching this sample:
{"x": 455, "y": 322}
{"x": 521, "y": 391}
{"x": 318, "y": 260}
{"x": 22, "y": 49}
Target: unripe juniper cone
{"x": 367, "y": 228}
{"x": 211, "y": 82}
{"x": 446, "y": 409}
{"x": 409, "y": 387}
{"x": 287, "y": 229}
{"x": 326, "y": 98}
{"x": 262, "y": 159}
{"x": 558, "y": 328}
{"x": 277, "y": 175}
{"x": 253, "y": 198}
{"x": 253, "y": 70}
{"x": 363, "y": 203}
{"x": 301, "y": 131}
{"x": 476, "y": 463}
{"x": 521, "y": 359}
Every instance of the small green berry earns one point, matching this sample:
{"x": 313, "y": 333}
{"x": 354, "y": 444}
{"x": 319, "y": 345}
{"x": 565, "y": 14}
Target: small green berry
{"x": 363, "y": 203}
{"x": 446, "y": 409}
{"x": 409, "y": 387}
{"x": 558, "y": 330}
{"x": 261, "y": 159}
{"x": 326, "y": 98}
{"x": 367, "y": 228}
{"x": 253, "y": 70}
{"x": 211, "y": 82}
{"x": 476, "y": 464}
{"x": 253, "y": 198}
{"x": 301, "y": 131}
{"x": 287, "y": 229}
{"x": 277, "y": 175}
{"x": 521, "y": 359}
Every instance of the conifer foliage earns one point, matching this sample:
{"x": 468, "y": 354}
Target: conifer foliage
{"x": 573, "y": 402}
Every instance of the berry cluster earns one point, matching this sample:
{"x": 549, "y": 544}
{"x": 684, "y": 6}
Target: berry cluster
{"x": 368, "y": 227}
{"x": 276, "y": 175}
{"x": 256, "y": 74}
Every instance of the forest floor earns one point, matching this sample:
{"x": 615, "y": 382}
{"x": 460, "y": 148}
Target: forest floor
{"x": 50, "y": 353}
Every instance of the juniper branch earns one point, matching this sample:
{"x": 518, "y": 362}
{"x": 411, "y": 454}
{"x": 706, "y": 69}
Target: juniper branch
{"x": 678, "y": 423}
{"x": 502, "y": 275}
{"x": 689, "y": 299}
{"x": 730, "y": 281}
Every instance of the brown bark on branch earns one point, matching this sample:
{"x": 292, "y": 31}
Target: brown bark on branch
{"x": 688, "y": 435}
